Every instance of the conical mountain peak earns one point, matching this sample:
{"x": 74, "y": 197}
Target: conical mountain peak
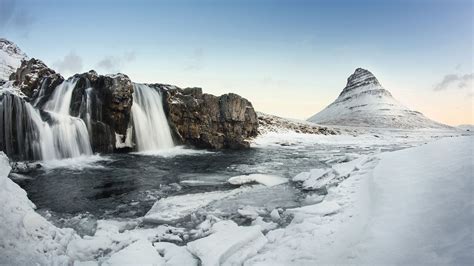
{"x": 360, "y": 77}
{"x": 364, "y": 102}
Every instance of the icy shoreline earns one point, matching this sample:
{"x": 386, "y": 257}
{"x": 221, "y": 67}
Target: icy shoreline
{"x": 329, "y": 228}
{"x": 412, "y": 207}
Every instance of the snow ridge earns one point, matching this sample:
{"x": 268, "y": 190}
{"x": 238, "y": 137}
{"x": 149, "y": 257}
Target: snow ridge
{"x": 10, "y": 58}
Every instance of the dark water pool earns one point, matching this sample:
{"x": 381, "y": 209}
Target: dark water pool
{"x": 127, "y": 185}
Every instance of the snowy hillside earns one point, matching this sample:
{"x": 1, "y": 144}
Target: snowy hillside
{"x": 364, "y": 102}
{"x": 10, "y": 58}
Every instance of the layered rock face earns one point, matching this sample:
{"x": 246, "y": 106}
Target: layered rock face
{"x": 365, "y": 103}
{"x": 104, "y": 103}
{"x": 34, "y": 76}
{"x": 208, "y": 121}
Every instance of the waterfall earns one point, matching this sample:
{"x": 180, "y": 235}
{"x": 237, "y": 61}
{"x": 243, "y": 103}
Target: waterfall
{"x": 23, "y": 134}
{"x": 152, "y": 131}
{"x": 70, "y": 135}
{"x": 43, "y": 143}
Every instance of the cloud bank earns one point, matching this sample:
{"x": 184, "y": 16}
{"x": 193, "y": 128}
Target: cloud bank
{"x": 116, "y": 63}
{"x": 71, "y": 63}
{"x": 455, "y": 81}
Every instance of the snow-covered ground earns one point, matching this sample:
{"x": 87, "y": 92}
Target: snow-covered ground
{"x": 409, "y": 206}
{"x": 414, "y": 206}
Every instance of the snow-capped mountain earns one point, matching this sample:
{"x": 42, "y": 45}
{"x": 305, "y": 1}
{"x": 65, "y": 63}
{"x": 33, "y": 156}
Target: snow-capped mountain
{"x": 10, "y": 58}
{"x": 364, "y": 102}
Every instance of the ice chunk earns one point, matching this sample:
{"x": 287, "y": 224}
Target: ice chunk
{"x": 321, "y": 209}
{"x": 178, "y": 207}
{"x": 315, "y": 178}
{"x": 346, "y": 168}
{"x": 249, "y": 212}
{"x": 264, "y": 226}
{"x": 140, "y": 252}
{"x": 175, "y": 255}
{"x": 302, "y": 176}
{"x": 275, "y": 215}
{"x": 319, "y": 181}
{"x": 267, "y": 180}
{"x": 229, "y": 244}
{"x": 85, "y": 263}
{"x": 312, "y": 199}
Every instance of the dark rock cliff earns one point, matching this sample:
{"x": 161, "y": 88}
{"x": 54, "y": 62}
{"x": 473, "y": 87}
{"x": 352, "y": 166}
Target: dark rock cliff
{"x": 208, "y": 121}
{"x": 104, "y": 103}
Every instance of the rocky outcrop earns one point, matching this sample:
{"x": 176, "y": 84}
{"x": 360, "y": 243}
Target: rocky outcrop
{"x": 33, "y": 75}
{"x": 104, "y": 103}
{"x": 208, "y": 121}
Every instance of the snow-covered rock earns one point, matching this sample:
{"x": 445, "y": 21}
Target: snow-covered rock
{"x": 267, "y": 180}
{"x": 175, "y": 255}
{"x": 10, "y": 58}
{"x": 140, "y": 252}
{"x": 229, "y": 244}
{"x": 365, "y": 103}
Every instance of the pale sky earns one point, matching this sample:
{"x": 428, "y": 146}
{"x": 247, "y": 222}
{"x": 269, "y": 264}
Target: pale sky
{"x": 289, "y": 58}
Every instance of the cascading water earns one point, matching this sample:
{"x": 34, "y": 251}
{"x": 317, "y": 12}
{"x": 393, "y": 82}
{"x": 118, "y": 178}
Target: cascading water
{"x": 152, "y": 131}
{"x": 23, "y": 134}
{"x": 70, "y": 135}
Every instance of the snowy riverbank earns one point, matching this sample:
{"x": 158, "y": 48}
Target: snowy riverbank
{"x": 414, "y": 207}
{"x": 407, "y": 206}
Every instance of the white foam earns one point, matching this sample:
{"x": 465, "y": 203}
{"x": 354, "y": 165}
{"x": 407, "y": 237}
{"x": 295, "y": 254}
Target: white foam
{"x": 173, "y": 152}
{"x": 76, "y": 163}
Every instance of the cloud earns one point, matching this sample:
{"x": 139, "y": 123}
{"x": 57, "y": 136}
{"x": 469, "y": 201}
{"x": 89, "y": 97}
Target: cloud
{"x": 71, "y": 64}
{"x": 15, "y": 15}
{"x": 116, "y": 63}
{"x": 455, "y": 81}
{"x": 195, "y": 60}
